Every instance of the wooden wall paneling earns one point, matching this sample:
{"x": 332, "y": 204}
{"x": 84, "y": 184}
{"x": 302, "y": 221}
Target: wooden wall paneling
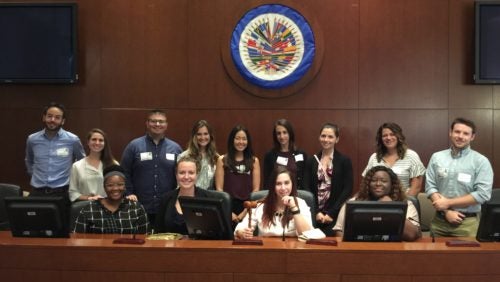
{"x": 312, "y": 277}
{"x": 87, "y": 92}
{"x": 495, "y": 160}
{"x": 403, "y": 47}
{"x": 104, "y": 276}
{"x": 456, "y": 278}
{"x": 426, "y": 131}
{"x": 376, "y": 278}
{"x": 336, "y": 85}
{"x": 463, "y": 92}
{"x": 200, "y": 277}
{"x": 496, "y": 97}
{"x": 207, "y": 78}
{"x": 144, "y": 59}
{"x": 32, "y": 275}
{"x": 379, "y": 55}
{"x": 17, "y": 125}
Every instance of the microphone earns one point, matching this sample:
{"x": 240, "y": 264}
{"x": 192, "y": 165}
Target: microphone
{"x": 285, "y": 224}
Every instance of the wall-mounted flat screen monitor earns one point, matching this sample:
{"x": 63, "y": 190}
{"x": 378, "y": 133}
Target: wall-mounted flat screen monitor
{"x": 487, "y": 42}
{"x": 489, "y": 225}
{"x": 370, "y": 221}
{"x": 205, "y": 218}
{"x": 38, "y": 216}
{"x": 38, "y": 43}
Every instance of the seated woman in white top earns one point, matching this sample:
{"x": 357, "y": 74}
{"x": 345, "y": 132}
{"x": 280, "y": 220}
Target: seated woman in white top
{"x": 392, "y": 151}
{"x": 382, "y": 184}
{"x": 280, "y": 211}
{"x": 86, "y": 180}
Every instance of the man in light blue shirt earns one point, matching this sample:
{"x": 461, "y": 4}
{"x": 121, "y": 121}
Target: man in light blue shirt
{"x": 458, "y": 181}
{"x": 50, "y": 153}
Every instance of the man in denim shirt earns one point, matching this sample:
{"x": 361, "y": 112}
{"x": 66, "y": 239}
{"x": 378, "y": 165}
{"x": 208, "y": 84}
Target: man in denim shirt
{"x": 50, "y": 153}
{"x": 458, "y": 181}
{"x": 149, "y": 163}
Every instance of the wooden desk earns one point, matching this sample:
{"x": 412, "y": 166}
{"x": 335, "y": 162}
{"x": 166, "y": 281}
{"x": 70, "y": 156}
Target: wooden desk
{"x": 96, "y": 258}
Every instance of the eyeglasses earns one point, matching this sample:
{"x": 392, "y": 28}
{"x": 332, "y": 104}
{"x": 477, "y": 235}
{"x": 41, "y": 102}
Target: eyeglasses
{"x": 157, "y": 121}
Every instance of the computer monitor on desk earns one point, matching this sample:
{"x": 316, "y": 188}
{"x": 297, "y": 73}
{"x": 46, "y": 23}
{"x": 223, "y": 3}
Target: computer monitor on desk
{"x": 38, "y": 216}
{"x": 370, "y": 221}
{"x": 489, "y": 226}
{"x": 205, "y": 218}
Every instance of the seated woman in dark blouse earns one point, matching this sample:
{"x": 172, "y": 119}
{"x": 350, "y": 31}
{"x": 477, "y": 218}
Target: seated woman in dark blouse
{"x": 169, "y": 217}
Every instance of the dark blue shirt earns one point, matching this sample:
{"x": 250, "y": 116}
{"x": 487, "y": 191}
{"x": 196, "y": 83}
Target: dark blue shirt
{"x": 150, "y": 170}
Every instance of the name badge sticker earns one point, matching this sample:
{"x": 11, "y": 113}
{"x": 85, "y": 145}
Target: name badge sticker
{"x": 464, "y": 177}
{"x": 62, "y": 152}
{"x": 146, "y": 156}
{"x": 170, "y": 157}
{"x": 282, "y": 161}
{"x": 299, "y": 157}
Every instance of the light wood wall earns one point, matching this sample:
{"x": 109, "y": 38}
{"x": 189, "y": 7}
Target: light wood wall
{"x": 406, "y": 61}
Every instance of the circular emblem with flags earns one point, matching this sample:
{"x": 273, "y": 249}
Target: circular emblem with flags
{"x": 272, "y": 46}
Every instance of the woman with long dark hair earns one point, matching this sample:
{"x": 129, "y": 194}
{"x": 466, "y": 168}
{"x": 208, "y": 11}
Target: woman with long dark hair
{"x": 284, "y": 153}
{"x": 238, "y": 171}
{"x": 281, "y": 212}
{"x": 329, "y": 177}
{"x": 86, "y": 180}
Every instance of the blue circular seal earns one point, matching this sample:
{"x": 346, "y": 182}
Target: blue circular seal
{"x": 272, "y": 46}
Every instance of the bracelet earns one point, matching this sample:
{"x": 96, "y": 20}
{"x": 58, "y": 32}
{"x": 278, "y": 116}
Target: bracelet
{"x": 295, "y": 211}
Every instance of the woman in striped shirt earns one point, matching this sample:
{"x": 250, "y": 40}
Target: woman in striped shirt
{"x": 393, "y": 152}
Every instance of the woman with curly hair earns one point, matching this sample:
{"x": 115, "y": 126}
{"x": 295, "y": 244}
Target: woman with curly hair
{"x": 393, "y": 152}
{"x": 382, "y": 184}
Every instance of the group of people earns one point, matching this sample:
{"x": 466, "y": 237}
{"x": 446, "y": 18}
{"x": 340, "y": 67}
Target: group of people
{"x": 140, "y": 192}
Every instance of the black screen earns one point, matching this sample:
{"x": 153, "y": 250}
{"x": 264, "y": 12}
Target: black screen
{"x": 38, "y": 43}
{"x": 38, "y": 216}
{"x": 205, "y": 218}
{"x": 489, "y": 226}
{"x": 374, "y": 221}
{"x": 487, "y": 39}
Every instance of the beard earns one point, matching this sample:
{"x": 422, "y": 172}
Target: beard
{"x": 52, "y": 127}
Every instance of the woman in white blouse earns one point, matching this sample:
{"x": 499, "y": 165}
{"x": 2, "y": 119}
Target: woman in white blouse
{"x": 86, "y": 181}
{"x": 281, "y": 212}
{"x": 393, "y": 152}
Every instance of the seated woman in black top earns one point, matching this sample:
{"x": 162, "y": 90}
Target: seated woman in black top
{"x": 169, "y": 217}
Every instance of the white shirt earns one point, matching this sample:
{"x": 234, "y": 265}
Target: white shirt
{"x": 277, "y": 229}
{"x": 85, "y": 180}
{"x": 406, "y": 168}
